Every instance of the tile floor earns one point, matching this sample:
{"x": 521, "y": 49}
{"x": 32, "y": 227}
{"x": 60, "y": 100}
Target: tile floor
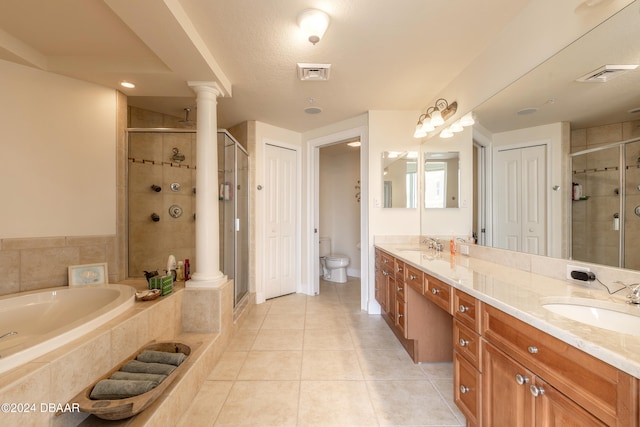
{"x": 320, "y": 361}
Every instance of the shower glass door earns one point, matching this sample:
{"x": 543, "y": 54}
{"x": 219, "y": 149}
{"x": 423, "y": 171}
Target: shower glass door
{"x": 631, "y": 224}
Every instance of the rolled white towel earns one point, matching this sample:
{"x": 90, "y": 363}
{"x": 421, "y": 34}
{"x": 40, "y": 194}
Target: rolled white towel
{"x": 120, "y": 389}
{"x": 152, "y": 356}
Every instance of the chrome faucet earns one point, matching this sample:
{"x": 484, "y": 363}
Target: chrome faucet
{"x": 634, "y": 295}
{"x": 433, "y": 243}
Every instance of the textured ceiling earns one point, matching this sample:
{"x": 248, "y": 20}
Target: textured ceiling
{"x": 385, "y": 56}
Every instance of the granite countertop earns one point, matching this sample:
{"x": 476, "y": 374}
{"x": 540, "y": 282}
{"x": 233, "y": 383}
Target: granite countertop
{"x": 522, "y": 295}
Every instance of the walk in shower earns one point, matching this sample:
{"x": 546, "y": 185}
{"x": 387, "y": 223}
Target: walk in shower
{"x": 605, "y": 214}
{"x": 161, "y": 186}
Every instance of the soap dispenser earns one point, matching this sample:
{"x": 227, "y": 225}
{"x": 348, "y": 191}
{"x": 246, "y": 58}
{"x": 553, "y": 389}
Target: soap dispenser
{"x": 172, "y": 266}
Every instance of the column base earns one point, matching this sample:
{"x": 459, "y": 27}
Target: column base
{"x": 200, "y": 281}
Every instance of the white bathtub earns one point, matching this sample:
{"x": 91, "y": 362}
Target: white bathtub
{"x": 45, "y": 320}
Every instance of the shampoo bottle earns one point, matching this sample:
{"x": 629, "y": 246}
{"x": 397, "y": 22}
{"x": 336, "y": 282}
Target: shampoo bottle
{"x": 452, "y": 246}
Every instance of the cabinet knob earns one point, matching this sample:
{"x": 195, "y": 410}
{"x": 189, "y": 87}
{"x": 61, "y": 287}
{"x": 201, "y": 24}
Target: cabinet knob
{"x": 532, "y": 349}
{"x": 386, "y": 261}
{"x": 463, "y": 342}
{"x": 521, "y": 380}
{"x": 435, "y": 291}
{"x": 400, "y": 315}
{"x": 412, "y": 277}
{"x": 463, "y": 309}
{"x": 536, "y": 391}
{"x": 400, "y": 289}
{"x": 464, "y": 389}
{"x": 399, "y": 269}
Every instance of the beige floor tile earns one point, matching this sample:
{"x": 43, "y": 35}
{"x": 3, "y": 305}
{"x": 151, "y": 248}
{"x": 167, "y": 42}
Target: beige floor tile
{"x": 445, "y": 388}
{"x": 206, "y": 406}
{"x": 278, "y": 339}
{"x": 437, "y": 370}
{"x": 284, "y": 321}
{"x": 335, "y": 404}
{"x": 330, "y": 365}
{"x": 409, "y": 403}
{"x": 253, "y": 321}
{"x": 322, "y": 320}
{"x": 388, "y": 365}
{"x": 260, "y": 404}
{"x": 228, "y": 366}
{"x": 271, "y": 365}
{"x": 288, "y": 304}
{"x": 375, "y": 339}
{"x": 327, "y": 339}
{"x": 243, "y": 340}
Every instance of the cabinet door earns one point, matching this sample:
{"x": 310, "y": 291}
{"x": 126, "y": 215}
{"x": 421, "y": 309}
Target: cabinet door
{"x": 401, "y": 316}
{"x": 467, "y": 389}
{"x": 381, "y": 289}
{"x": 553, "y": 409}
{"x": 505, "y": 391}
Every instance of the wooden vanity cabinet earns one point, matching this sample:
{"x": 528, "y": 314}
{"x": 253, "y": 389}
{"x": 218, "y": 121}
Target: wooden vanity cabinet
{"x": 564, "y": 383}
{"x": 400, "y": 291}
{"x": 466, "y": 309}
{"x": 381, "y": 285}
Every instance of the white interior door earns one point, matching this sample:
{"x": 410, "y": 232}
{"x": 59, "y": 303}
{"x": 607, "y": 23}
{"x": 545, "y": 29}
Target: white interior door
{"x": 519, "y": 195}
{"x": 280, "y": 228}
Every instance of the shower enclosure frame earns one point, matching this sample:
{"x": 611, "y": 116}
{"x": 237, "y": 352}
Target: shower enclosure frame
{"x": 242, "y": 287}
{"x": 622, "y": 169}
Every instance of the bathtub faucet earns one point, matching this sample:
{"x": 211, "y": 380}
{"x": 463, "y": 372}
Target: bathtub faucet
{"x": 8, "y": 334}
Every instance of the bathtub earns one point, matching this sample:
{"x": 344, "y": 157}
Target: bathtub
{"x": 47, "y": 319}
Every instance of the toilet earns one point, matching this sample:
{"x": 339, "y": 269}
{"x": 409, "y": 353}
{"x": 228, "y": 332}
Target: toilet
{"x": 334, "y": 266}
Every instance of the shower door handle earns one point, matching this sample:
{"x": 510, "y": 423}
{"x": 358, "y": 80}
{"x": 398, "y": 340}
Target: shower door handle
{"x": 237, "y": 224}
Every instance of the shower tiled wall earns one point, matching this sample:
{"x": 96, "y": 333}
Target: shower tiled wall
{"x": 594, "y": 238}
{"x": 150, "y": 163}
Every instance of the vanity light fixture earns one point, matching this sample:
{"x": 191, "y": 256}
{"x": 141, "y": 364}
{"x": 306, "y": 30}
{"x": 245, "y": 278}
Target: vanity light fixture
{"x": 127, "y": 84}
{"x": 435, "y": 116}
{"x": 313, "y": 23}
{"x": 446, "y": 133}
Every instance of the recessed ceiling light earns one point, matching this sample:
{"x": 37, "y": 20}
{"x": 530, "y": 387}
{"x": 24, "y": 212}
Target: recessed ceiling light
{"x": 313, "y": 110}
{"x": 354, "y": 144}
{"x": 526, "y": 111}
{"x": 127, "y": 84}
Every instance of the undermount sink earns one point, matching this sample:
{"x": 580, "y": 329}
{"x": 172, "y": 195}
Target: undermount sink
{"x": 612, "y": 316}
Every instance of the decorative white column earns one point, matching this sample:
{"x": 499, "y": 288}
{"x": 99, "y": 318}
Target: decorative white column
{"x": 207, "y": 273}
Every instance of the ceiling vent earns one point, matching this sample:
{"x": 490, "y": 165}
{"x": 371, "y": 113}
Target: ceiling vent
{"x": 606, "y": 73}
{"x": 314, "y": 72}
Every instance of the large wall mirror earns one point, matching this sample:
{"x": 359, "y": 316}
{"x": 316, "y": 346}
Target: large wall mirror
{"x": 579, "y": 96}
{"x": 400, "y": 179}
{"x": 441, "y": 180}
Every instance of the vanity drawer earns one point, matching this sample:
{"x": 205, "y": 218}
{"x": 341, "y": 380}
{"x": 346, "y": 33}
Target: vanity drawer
{"x": 467, "y": 343}
{"x": 439, "y": 293}
{"x": 413, "y": 278}
{"x": 398, "y": 268}
{"x": 466, "y": 309}
{"x": 609, "y": 393}
{"x": 387, "y": 262}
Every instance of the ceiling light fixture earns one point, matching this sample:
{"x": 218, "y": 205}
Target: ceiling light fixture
{"x": 354, "y": 144}
{"x": 127, "y": 84}
{"x": 435, "y": 116}
{"x": 313, "y": 23}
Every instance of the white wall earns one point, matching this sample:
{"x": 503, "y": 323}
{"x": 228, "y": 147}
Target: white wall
{"x": 59, "y": 155}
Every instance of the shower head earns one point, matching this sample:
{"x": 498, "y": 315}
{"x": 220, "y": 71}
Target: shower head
{"x": 186, "y": 121}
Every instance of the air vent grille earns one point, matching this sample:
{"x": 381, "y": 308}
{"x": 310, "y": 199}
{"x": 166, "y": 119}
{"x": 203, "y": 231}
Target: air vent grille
{"x": 313, "y": 72}
{"x": 606, "y": 73}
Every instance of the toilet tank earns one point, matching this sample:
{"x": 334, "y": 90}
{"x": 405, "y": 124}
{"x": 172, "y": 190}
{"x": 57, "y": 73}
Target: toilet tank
{"x": 325, "y": 246}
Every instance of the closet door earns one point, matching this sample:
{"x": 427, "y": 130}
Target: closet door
{"x": 519, "y": 199}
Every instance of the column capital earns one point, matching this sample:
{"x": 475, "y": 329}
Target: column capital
{"x": 206, "y": 87}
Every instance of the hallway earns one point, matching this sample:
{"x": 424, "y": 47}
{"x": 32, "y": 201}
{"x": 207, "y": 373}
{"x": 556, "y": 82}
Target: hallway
{"x": 320, "y": 361}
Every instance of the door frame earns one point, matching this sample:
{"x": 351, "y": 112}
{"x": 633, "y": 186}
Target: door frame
{"x": 313, "y": 209}
{"x": 260, "y": 219}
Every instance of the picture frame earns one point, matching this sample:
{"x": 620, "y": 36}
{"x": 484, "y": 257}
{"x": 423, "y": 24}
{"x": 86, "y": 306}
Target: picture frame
{"x": 88, "y": 274}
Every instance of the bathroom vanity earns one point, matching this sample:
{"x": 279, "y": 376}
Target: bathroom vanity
{"x": 515, "y": 361}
